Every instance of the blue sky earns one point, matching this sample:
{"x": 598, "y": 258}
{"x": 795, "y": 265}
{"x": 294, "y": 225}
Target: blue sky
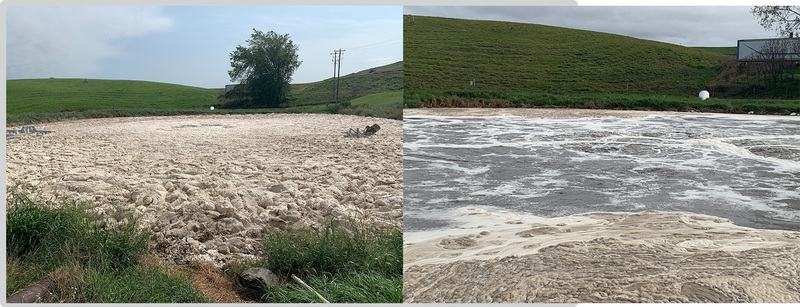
{"x": 191, "y": 45}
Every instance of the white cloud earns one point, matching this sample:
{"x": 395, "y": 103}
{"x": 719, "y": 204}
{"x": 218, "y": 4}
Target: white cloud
{"x": 71, "y": 41}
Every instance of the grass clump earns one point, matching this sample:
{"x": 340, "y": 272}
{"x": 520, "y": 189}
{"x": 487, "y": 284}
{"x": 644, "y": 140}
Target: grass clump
{"x": 352, "y": 263}
{"x": 367, "y": 287}
{"x": 89, "y": 260}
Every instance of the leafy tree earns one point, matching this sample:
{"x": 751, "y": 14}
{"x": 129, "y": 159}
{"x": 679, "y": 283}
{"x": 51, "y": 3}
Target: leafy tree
{"x": 265, "y": 67}
{"x": 783, "y": 19}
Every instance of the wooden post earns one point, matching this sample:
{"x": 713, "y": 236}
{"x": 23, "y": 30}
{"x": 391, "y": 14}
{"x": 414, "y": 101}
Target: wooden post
{"x": 339, "y": 78}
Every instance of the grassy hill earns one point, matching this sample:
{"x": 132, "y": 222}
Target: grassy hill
{"x": 35, "y": 100}
{"x": 445, "y": 53}
{"x": 388, "y": 78}
{"x": 64, "y": 95}
{"x": 522, "y": 65}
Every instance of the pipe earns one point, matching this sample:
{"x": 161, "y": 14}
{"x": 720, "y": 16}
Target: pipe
{"x": 32, "y": 293}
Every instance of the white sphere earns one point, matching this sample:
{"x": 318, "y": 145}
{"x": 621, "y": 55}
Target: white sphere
{"x": 212, "y": 108}
{"x": 704, "y": 95}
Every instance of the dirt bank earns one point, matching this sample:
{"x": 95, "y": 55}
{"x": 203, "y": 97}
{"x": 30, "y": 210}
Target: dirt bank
{"x": 213, "y": 184}
{"x": 601, "y": 257}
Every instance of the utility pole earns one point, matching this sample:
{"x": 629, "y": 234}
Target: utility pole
{"x": 333, "y": 88}
{"x": 339, "y": 78}
{"x": 337, "y": 63}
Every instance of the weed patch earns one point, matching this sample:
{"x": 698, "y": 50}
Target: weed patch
{"x": 351, "y": 263}
{"x": 88, "y": 259}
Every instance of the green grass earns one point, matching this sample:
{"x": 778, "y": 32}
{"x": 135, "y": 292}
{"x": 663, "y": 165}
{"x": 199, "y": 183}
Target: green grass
{"x": 43, "y": 100}
{"x": 351, "y": 263}
{"x": 720, "y": 50}
{"x": 479, "y": 98}
{"x": 446, "y": 54}
{"x": 89, "y": 259}
{"x": 368, "y": 287}
{"x": 515, "y": 64}
{"x": 380, "y": 105}
{"x": 72, "y": 95}
{"x": 386, "y": 105}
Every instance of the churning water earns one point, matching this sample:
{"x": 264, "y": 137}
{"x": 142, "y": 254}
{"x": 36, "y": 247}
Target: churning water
{"x": 744, "y": 168}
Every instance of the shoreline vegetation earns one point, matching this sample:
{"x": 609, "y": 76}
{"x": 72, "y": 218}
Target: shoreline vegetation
{"x": 356, "y": 107}
{"x": 86, "y": 258}
{"x": 382, "y": 105}
{"x": 644, "y": 102}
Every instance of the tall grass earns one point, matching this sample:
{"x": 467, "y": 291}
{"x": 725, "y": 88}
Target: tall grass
{"x": 366, "y": 287}
{"x": 345, "y": 263}
{"x": 332, "y": 248}
{"x": 88, "y": 259}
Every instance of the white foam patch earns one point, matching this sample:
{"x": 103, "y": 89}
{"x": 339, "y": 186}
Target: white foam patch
{"x": 651, "y": 154}
{"x": 741, "y": 152}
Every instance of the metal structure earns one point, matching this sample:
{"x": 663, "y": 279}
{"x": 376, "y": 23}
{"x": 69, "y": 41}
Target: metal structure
{"x": 768, "y": 50}
{"x": 368, "y": 131}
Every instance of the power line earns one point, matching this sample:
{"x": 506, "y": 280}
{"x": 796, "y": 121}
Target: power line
{"x": 378, "y": 43}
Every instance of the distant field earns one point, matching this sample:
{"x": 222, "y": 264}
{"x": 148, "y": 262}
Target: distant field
{"x": 377, "y": 90}
{"x": 65, "y": 95}
{"x": 446, "y": 54}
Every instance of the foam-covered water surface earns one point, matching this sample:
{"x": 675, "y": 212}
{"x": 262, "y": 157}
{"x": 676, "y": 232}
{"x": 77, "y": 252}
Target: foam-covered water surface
{"x": 744, "y": 168}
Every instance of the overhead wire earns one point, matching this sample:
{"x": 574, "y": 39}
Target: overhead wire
{"x": 387, "y": 42}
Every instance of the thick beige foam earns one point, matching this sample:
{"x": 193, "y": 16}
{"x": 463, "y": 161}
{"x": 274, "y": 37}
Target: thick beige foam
{"x": 598, "y": 257}
{"x": 213, "y": 184}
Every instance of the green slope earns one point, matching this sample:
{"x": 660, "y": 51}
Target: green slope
{"x": 57, "y": 95}
{"x": 444, "y": 53}
{"x": 62, "y": 95}
{"x": 720, "y": 50}
{"x": 388, "y": 78}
